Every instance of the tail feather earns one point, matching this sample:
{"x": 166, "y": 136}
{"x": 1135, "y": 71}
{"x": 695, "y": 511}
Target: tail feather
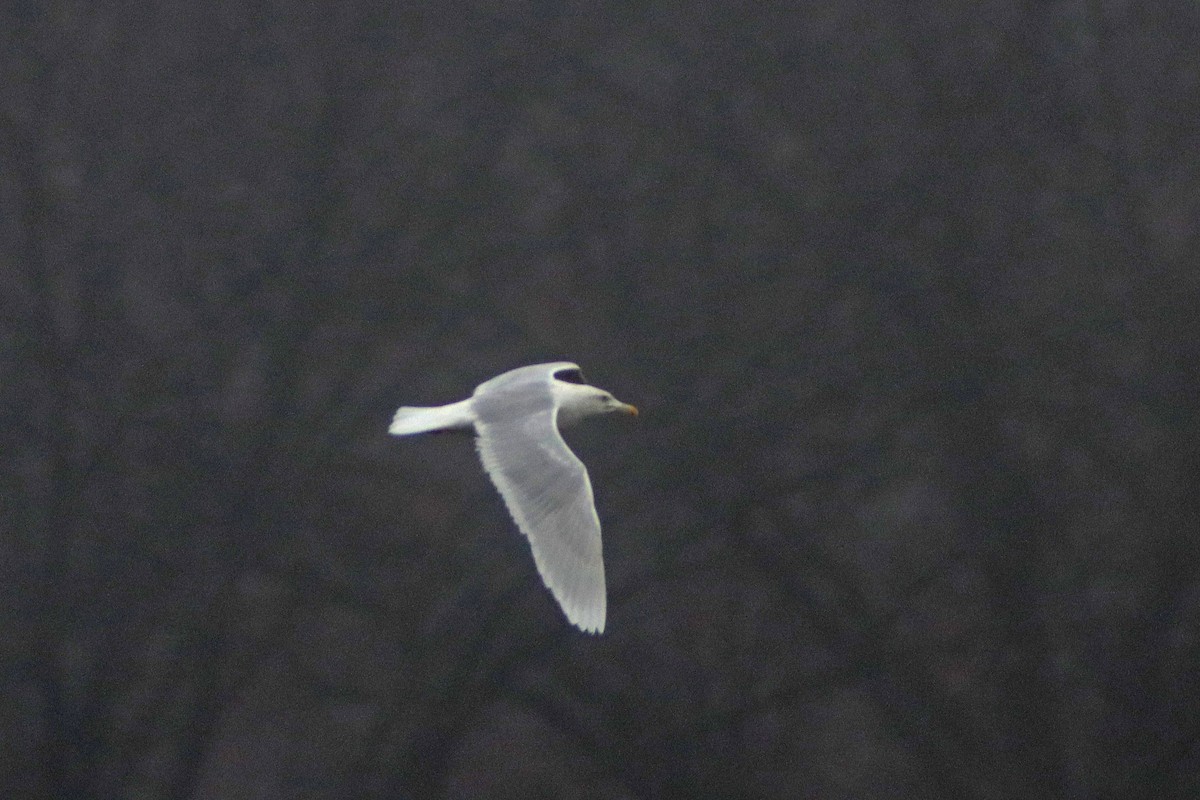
{"x": 418, "y": 419}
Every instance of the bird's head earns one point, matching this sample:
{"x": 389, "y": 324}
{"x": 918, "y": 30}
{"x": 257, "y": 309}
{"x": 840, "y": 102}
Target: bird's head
{"x": 608, "y": 404}
{"x": 581, "y": 400}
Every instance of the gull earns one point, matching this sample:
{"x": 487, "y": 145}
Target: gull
{"x": 516, "y": 418}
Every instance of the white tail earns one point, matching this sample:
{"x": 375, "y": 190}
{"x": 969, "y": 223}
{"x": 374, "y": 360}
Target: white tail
{"x": 416, "y": 419}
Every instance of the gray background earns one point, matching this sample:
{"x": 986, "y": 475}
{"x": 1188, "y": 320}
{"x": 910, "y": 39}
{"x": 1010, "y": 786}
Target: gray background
{"x": 907, "y": 293}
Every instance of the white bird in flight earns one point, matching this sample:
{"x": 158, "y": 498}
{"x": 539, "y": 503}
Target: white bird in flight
{"x": 516, "y": 417}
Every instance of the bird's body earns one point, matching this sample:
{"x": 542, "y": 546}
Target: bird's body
{"x": 516, "y": 418}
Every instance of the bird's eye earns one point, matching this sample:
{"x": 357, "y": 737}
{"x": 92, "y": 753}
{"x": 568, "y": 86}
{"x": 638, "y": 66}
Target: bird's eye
{"x": 570, "y": 375}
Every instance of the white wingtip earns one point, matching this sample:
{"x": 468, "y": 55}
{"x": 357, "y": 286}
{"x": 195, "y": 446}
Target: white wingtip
{"x": 594, "y": 627}
{"x": 585, "y": 604}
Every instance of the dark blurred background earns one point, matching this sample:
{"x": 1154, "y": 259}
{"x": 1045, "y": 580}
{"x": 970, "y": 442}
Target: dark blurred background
{"x": 908, "y": 296}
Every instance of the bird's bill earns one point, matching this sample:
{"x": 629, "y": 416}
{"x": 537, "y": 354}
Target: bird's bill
{"x": 628, "y": 409}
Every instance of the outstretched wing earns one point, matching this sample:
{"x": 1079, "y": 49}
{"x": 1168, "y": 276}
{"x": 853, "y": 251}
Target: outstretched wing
{"x": 548, "y": 493}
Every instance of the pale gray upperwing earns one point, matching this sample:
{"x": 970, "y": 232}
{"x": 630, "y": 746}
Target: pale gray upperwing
{"x": 547, "y": 491}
